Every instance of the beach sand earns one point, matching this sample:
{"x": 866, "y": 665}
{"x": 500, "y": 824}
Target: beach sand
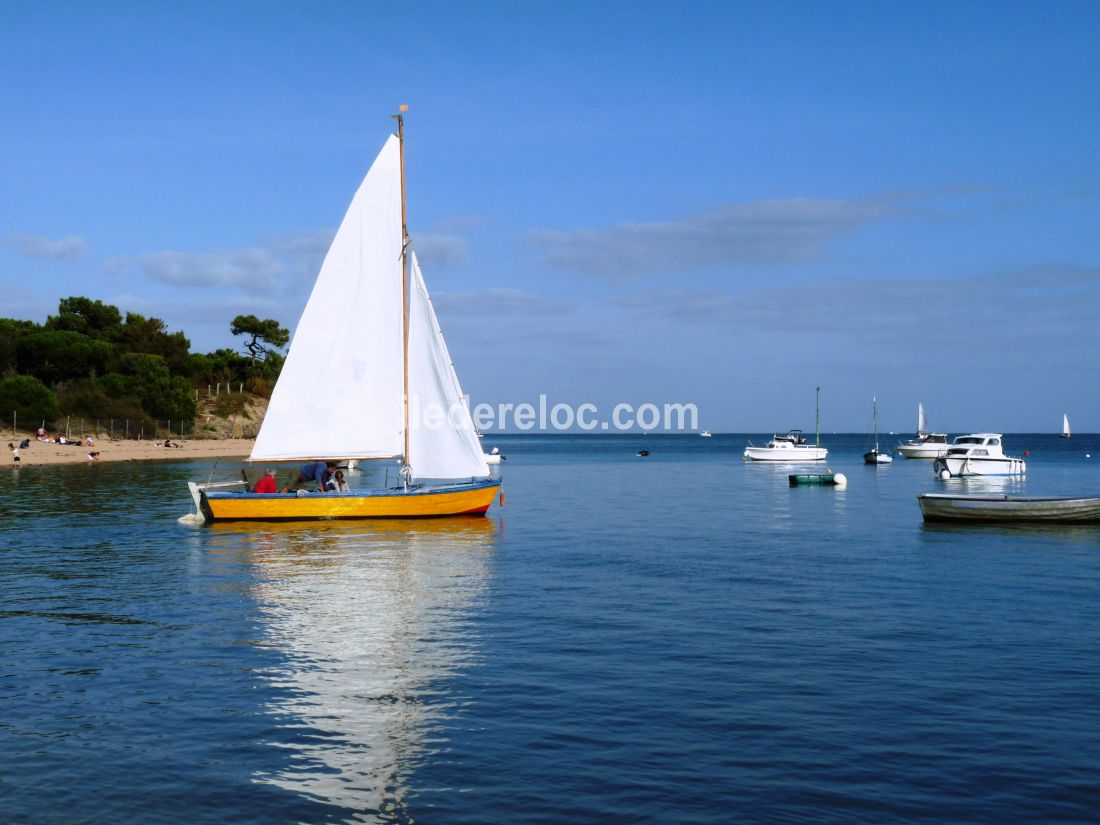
{"x": 41, "y": 453}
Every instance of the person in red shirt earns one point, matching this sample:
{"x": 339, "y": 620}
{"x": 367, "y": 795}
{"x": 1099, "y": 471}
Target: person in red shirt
{"x": 266, "y": 484}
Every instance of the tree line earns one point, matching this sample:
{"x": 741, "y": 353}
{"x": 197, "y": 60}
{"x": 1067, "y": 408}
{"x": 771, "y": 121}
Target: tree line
{"x": 92, "y": 361}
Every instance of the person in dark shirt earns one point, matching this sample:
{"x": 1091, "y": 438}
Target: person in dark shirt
{"x": 316, "y": 472}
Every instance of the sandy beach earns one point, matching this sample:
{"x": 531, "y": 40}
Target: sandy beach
{"x": 41, "y": 453}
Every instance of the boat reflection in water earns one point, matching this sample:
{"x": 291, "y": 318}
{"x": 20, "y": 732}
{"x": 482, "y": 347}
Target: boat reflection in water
{"x": 369, "y": 617}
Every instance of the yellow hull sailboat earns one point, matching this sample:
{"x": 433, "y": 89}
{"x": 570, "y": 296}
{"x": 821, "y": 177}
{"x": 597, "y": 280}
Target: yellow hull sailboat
{"x": 367, "y": 350}
{"x": 472, "y": 499}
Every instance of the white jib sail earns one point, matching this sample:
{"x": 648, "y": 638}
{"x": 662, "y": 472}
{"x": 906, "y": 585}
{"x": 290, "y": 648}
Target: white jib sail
{"x": 922, "y": 425}
{"x": 443, "y": 442}
{"x": 1065, "y": 425}
{"x": 340, "y": 391}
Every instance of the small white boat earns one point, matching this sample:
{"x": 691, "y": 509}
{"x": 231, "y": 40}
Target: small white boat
{"x": 1065, "y": 427}
{"x": 494, "y": 457}
{"x": 930, "y": 445}
{"x": 926, "y": 444}
{"x": 874, "y": 455}
{"x": 978, "y": 454}
{"x": 705, "y": 434}
{"x": 789, "y": 447}
{"x": 1002, "y": 509}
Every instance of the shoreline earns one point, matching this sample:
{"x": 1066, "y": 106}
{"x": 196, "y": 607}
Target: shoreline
{"x": 44, "y": 453}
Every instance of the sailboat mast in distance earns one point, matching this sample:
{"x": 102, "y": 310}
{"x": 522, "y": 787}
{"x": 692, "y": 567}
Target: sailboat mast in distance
{"x": 817, "y": 418}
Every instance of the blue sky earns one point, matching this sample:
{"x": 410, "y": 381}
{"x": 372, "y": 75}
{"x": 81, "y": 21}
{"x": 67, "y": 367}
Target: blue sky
{"x": 720, "y": 203}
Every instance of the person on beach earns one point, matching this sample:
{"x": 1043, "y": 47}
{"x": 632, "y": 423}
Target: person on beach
{"x": 266, "y": 484}
{"x": 316, "y": 472}
{"x": 14, "y": 454}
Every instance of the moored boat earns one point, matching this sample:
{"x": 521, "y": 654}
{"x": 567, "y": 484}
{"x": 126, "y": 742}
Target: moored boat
{"x": 978, "y": 454}
{"x": 1007, "y": 509}
{"x": 930, "y": 445}
{"x": 924, "y": 444}
{"x": 789, "y": 447}
{"x": 874, "y": 455}
{"x": 792, "y": 446}
{"x": 826, "y": 479}
{"x": 369, "y": 337}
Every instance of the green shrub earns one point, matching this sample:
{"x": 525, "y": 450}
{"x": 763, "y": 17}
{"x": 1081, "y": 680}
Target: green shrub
{"x": 28, "y": 398}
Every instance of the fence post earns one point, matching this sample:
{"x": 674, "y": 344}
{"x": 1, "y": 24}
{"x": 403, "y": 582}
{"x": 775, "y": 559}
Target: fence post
{"x": 14, "y": 415}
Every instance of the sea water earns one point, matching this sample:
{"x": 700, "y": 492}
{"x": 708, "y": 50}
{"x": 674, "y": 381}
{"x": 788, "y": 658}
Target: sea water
{"x": 679, "y": 638}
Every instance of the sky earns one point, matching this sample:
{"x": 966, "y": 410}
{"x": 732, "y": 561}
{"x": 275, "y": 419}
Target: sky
{"x": 727, "y": 204}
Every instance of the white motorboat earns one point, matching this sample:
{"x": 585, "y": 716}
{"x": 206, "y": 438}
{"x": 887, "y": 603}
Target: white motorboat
{"x": 925, "y": 444}
{"x": 705, "y": 434}
{"x": 978, "y": 454}
{"x": 930, "y": 445}
{"x": 789, "y": 447}
{"x": 875, "y": 455}
{"x": 792, "y": 446}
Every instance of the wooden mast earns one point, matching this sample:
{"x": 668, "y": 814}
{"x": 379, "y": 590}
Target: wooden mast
{"x": 404, "y": 284}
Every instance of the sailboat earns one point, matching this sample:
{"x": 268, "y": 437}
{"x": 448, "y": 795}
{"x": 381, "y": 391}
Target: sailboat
{"x": 926, "y": 444}
{"x": 790, "y": 447}
{"x": 874, "y": 456}
{"x": 368, "y": 377}
{"x": 1065, "y": 427}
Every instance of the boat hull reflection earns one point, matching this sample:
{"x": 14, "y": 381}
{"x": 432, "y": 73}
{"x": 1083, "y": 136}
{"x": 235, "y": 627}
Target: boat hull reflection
{"x": 371, "y": 619}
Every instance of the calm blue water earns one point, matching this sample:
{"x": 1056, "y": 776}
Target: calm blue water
{"x": 680, "y": 638}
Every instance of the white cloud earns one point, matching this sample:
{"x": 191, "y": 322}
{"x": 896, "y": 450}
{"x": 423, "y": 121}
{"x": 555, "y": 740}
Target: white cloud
{"x": 501, "y": 303}
{"x": 1031, "y": 300}
{"x": 254, "y": 270}
{"x": 437, "y": 250}
{"x": 69, "y": 248}
{"x": 769, "y": 232}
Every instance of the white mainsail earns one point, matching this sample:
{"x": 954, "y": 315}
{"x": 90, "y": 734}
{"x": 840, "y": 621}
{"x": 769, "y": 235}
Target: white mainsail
{"x": 922, "y": 425}
{"x": 1065, "y": 426}
{"x": 340, "y": 391}
{"x": 443, "y": 441}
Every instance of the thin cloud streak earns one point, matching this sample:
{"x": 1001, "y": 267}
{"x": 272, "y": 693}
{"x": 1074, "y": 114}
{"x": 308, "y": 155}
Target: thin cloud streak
{"x": 253, "y": 270}
{"x": 438, "y": 250}
{"x": 501, "y": 303}
{"x": 795, "y": 230}
{"x": 70, "y": 248}
{"x": 903, "y": 310}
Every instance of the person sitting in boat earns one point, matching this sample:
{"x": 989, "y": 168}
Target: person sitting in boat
{"x": 316, "y": 472}
{"x": 337, "y": 484}
{"x": 266, "y": 484}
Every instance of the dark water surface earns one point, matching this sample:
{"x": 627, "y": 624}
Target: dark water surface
{"x": 680, "y": 638}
